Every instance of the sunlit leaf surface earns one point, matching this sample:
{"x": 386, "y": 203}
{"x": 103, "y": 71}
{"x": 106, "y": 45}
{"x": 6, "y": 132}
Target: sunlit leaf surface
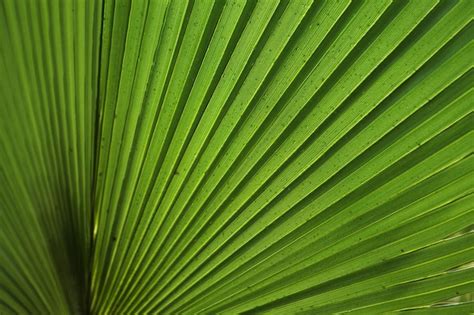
{"x": 232, "y": 156}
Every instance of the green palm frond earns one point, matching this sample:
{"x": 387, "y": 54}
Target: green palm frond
{"x": 232, "y": 156}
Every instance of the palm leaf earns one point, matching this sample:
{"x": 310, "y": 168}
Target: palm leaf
{"x": 236, "y": 156}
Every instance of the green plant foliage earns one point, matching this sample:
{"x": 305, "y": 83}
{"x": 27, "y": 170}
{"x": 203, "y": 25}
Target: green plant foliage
{"x": 232, "y": 156}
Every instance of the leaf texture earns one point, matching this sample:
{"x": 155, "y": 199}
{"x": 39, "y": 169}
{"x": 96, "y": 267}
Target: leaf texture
{"x": 236, "y": 156}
